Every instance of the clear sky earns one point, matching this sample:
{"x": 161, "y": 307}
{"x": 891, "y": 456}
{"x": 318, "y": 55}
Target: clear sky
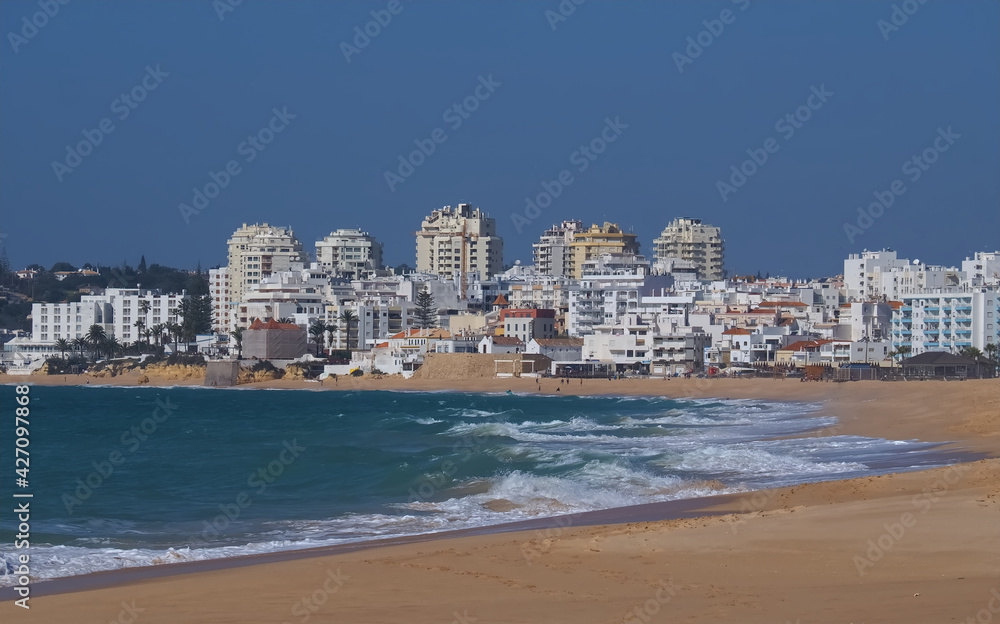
{"x": 532, "y": 88}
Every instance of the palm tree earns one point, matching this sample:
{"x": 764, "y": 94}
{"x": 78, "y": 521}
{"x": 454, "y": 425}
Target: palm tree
{"x": 901, "y": 350}
{"x": 347, "y": 317}
{"x": 237, "y": 335}
{"x": 144, "y": 307}
{"x": 331, "y": 329}
{"x": 158, "y": 330}
{"x": 79, "y": 344}
{"x": 318, "y": 332}
{"x": 285, "y": 319}
{"x": 175, "y": 331}
{"x": 95, "y": 338}
{"x": 140, "y": 326}
{"x": 63, "y": 345}
{"x": 971, "y": 352}
{"x": 991, "y": 351}
{"x": 112, "y": 347}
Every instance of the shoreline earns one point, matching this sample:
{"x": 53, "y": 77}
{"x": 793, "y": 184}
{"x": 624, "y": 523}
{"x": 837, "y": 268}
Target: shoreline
{"x": 847, "y": 402}
{"x": 926, "y": 411}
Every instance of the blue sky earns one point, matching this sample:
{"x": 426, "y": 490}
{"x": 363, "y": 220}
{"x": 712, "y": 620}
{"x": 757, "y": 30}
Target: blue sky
{"x": 554, "y": 83}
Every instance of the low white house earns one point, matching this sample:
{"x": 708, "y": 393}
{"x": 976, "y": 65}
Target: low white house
{"x": 558, "y": 349}
{"x": 501, "y": 344}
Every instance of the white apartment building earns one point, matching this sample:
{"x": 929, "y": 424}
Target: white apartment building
{"x": 258, "y": 250}
{"x": 609, "y": 289}
{"x": 858, "y": 269}
{"x": 553, "y": 253}
{"x": 52, "y": 321}
{"x": 690, "y": 239}
{"x": 869, "y": 319}
{"x": 116, "y": 311}
{"x": 892, "y": 283}
{"x": 374, "y": 323}
{"x": 526, "y": 325}
{"x": 541, "y": 291}
{"x": 126, "y": 310}
{"x": 299, "y": 293}
{"x": 456, "y": 241}
{"x": 349, "y": 253}
{"x": 948, "y": 321}
{"x": 222, "y": 300}
{"x": 983, "y": 269}
{"x": 627, "y": 342}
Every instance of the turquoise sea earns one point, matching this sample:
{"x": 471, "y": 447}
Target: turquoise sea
{"x": 127, "y": 477}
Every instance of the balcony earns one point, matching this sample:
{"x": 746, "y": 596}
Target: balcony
{"x": 906, "y": 309}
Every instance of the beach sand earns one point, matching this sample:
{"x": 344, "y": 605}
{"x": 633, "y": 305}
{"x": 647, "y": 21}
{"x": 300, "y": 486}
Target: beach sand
{"x": 909, "y": 547}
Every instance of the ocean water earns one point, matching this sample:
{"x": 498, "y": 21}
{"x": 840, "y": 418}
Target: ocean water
{"x": 126, "y": 477}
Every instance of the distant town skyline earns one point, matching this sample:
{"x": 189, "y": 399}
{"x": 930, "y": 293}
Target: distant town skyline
{"x": 776, "y": 122}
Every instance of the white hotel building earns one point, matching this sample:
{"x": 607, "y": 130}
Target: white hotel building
{"x": 948, "y": 321}
{"x": 349, "y": 253}
{"x": 116, "y": 311}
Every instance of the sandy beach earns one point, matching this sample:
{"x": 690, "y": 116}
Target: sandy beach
{"x": 909, "y": 547}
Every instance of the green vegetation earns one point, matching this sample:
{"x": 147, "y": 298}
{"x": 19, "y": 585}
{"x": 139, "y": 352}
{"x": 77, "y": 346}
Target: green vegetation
{"x": 426, "y": 312}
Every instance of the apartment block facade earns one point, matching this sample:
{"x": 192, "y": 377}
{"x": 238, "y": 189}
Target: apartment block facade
{"x": 349, "y": 253}
{"x": 699, "y": 243}
{"x": 256, "y": 251}
{"x": 608, "y": 238}
{"x": 948, "y": 321}
{"x": 553, "y": 253}
{"x": 455, "y": 241}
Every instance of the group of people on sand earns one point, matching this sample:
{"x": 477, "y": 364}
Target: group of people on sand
{"x": 561, "y": 382}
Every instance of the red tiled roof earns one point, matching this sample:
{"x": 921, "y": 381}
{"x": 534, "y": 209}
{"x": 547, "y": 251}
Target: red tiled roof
{"x": 560, "y": 342}
{"x": 272, "y": 324}
{"x": 801, "y": 345}
{"x": 737, "y": 331}
{"x": 507, "y": 340}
